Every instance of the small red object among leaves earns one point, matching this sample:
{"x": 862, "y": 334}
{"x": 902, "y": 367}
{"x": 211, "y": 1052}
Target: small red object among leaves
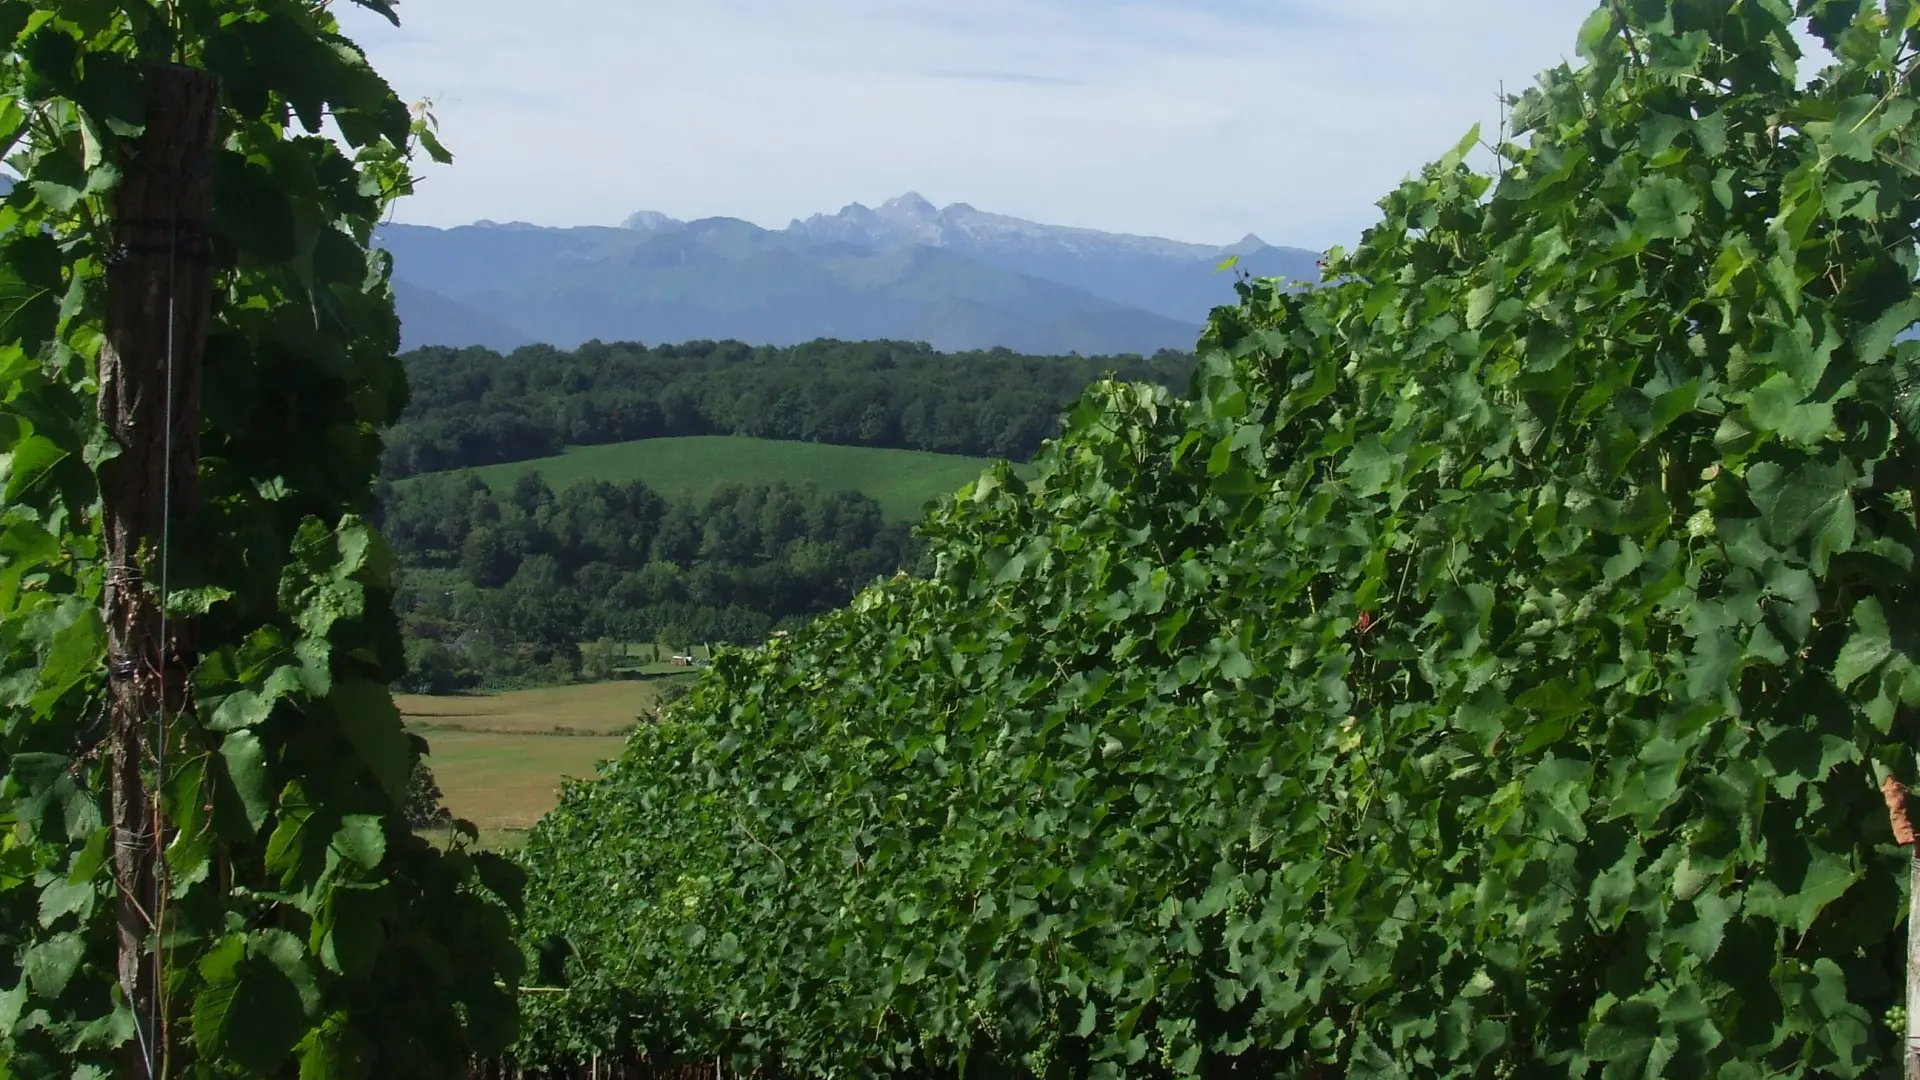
{"x": 1896, "y": 795}
{"x": 1366, "y": 621}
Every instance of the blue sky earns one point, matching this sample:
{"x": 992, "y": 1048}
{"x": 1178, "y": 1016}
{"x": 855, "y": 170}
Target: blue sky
{"x": 1200, "y": 121}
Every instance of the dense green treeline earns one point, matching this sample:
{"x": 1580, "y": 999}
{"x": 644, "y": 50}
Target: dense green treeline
{"x": 501, "y": 588}
{"x": 473, "y": 406}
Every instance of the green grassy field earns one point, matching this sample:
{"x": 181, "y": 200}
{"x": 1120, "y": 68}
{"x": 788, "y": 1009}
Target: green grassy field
{"x": 902, "y": 481}
{"x": 499, "y": 758}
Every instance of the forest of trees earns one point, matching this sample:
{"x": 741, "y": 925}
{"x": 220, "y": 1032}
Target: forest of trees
{"x": 473, "y": 406}
{"x": 501, "y": 588}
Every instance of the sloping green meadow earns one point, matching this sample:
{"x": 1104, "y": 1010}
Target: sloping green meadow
{"x": 901, "y": 481}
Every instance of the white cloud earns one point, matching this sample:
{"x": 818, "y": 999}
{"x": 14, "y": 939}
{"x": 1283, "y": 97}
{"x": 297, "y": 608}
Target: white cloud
{"x": 1196, "y": 120}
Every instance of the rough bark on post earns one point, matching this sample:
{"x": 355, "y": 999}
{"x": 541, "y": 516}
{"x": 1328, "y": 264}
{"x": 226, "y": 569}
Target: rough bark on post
{"x": 1913, "y": 971}
{"x": 159, "y": 294}
{"x": 1895, "y": 793}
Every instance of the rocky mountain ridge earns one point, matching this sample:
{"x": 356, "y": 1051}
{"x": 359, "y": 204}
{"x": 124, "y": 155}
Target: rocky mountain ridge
{"x": 954, "y": 276}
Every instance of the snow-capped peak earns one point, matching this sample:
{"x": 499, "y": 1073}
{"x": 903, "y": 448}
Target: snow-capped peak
{"x": 910, "y": 219}
{"x": 649, "y": 220}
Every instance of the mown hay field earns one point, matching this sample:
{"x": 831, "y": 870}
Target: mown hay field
{"x": 500, "y": 758}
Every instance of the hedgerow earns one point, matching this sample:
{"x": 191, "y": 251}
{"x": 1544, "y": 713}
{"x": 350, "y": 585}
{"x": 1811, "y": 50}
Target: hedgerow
{"x": 1488, "y": 670}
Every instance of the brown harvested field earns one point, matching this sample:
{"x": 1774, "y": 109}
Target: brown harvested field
{"x": 597, "y": 707}
{"x": 509, "y": 781}
{"x": 499, "y": 758}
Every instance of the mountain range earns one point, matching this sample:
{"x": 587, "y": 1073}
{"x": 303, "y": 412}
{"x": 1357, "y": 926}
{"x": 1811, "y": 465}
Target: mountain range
{"x": 955, "y": 277}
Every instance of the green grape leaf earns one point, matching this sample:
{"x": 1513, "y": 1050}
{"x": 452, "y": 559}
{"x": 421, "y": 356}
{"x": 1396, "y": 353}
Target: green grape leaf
{"x": 1867, "y": 647}
{"x": 1663, "y": 209}
{"x": 52, "y": 963}
{"x": 361, "y": 840}
{"x": 1812, "y": 503}
{"x": 372, "y": 723}
{"x": 253, "y": 1017}
{"x": 246, "y": 776}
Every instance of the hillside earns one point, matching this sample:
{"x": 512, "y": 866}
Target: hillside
{"x": 708, "y": 491}
{"x": 504, "y": 586}
{"x": 432, "y": 317}
{"x": 474, "y": 407}
{"x": 955, "y": 278}
{"x": 901, "y": 481}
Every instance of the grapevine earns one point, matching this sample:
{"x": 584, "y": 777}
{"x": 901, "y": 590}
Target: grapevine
{"x": 1489, "y": 668}
{"x": 303, "y": 927}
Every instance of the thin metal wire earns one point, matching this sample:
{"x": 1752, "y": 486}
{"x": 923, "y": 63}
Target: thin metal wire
{"x": 156, "y": 1021}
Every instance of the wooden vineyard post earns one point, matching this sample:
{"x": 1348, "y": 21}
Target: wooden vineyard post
{"x": 158, "y": 299}
{"x": 1913, "y": 964}
{"x": 1896, "y": 795}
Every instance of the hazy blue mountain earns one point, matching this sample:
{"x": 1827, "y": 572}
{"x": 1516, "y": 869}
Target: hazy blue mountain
{"x": 1178, "y": 280}
{"x": 429, "y": 318}
{"x": 955, "y": 278}
{"x": 722, "y": 278}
